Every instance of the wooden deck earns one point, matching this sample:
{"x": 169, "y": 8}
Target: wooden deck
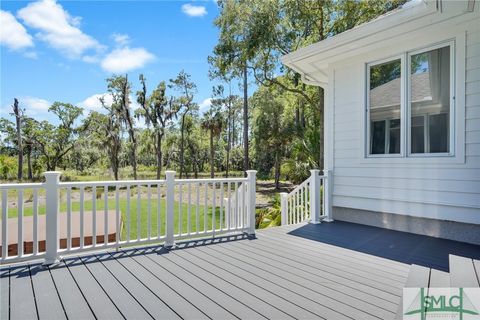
{"x": 295, "y": 272}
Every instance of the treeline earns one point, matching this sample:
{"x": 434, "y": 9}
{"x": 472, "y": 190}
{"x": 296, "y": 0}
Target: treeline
{"x": 277, "y": 130}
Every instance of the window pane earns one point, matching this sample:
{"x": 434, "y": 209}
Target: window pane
{"x": 430, "y": 98}
{"x": 378, "y": 137}
{"x": 384, "y": 105}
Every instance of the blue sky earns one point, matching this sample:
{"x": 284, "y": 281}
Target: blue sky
{"x": 64, "y": 51}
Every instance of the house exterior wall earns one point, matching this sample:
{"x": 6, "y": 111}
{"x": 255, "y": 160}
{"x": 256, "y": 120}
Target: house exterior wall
{"x": 443, "y": 188}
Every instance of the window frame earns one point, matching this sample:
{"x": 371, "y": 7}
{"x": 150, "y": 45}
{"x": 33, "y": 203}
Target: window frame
{"x": 405, "y": 97}
{"x": 368, "y": 133}
{"x": 451, "y": 120}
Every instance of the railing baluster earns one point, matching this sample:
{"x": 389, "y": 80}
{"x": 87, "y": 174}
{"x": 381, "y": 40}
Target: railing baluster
{"x": 189, "y": 220}
{"x": 214, "y": 207}
{"x": 197, "y": 209}
{"x": 139, "y": 218}
{"x": 236, "y": 206}
{"x": 105, "y": 216}
{"x": 205, "y": 208}
{"x": 180, "y": 211}
{"x": 117, "y": 215}
{"x": 229, "y": 206}
{"x": 82, "y": 216}
{"x": 149, "y": 212}
{"x": 94, "y": 216}
{"x": 4, "y": 224}
{"x": 221, "y": 206}
{"x": 35, "y": 221}
{"x": 128, "y": 213}
{"x": 20, "y": 223}
{"x": 69, "y": 218}
{"x": 159, "y": 211}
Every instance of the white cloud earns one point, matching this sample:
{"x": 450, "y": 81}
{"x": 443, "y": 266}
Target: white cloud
{"x": 194, "y": 11}
{"x": 58, "y": 28}
{"x": 121, "y": 39}
{"x": 93, "y": 102}
{"x": 33, "y": 105}
{"x": 31, "y": 55}
{"x": 205, "y": 104}
{"x": 126, "y": 59}
{"x": 12, "y": 34}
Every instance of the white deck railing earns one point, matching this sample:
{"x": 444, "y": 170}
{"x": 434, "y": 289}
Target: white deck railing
{"x": 309, "y": 201}
{"x": 72, "y": 217}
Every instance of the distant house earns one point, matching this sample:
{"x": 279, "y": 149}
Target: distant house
{"x": 402, "y": 118}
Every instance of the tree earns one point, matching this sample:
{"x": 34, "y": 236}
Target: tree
{"x": 183, "y": 104}
{"x": 54, "y": 142}
{"x": 18, "y": 121}
{"x": 119, "y": 88}
{"x": 157, "y": 112}
{"x": 213, "y": 123}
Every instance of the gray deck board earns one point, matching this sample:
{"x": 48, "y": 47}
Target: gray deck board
{"x": 462, "y": 272}
{"x": 48, "y": 301}
{"x": 328, "y": 271}
{"x": 129, "y": 307}
{"x": 190, "y": 293}
{"x": 476, "y": 264}
{"x": 22, "y": 299}
{"x": 73, "y": 302}
{"x": 350, "y": 305}
{"x": 4, "y": 293}
{"x": 98, "y": 300}
{"x": 312, "y": 274}
{"x": 177, "y": 302}
{"x": 153, "y": 304}
{"x": 220, "y": 297}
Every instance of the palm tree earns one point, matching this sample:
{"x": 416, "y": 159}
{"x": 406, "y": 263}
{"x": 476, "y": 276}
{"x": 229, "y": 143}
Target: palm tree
{"x": 213, "y": 122}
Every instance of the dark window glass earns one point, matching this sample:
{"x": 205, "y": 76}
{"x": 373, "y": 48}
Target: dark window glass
{"x": 394, "y": 141}
{"x": 418, "y": 134}
{"x": 378, "y": 137}
{"x": 438, "y": 132}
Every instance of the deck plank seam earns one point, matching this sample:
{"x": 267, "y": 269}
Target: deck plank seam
{"x": 147, "y": 287}
{"x": 33, "y": 291}
{"x": 163, "y": 283}
{"x": 253, "y": 283}
{"x": 147, "y": 256}
{"x": 286, "y": 288}
{"x": 247, "y": 292}
{"x": 320, "y": 284}
{"x": 308, "y": 289}
{"x": 58, "y": 293}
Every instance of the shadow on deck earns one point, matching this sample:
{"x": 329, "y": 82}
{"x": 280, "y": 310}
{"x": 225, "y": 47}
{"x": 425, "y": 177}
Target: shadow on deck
{"x": 404, "y": 247}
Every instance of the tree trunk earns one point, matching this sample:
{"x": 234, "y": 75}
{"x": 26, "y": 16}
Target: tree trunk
{"x": 29, "y": 164}
{"x": 182, "y": 145}
{"x": 212, "y": 156}
{"x": 134, "y": 154}
{"x": 277, "y": 170}
{"x": 18, "y": 119}
{"x": 159, "y": 155}
{"x": 245, "y": 121}
{"x": 229, "y": 141}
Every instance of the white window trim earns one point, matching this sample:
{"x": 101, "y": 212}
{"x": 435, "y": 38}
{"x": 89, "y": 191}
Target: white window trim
{"x": 451, "y": 133}
{"x": 458, "y": 120}
{"x": 400, "y": 57}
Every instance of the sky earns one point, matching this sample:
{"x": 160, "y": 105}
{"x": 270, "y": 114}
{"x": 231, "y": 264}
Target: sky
{"x": 64, "y": 50}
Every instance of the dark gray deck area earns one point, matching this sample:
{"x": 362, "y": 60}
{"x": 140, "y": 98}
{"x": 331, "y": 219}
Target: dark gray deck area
{"x": 332, "y": 271}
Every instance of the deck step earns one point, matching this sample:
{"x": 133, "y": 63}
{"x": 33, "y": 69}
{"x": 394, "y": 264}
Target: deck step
{"x": 462, "y": 272}
{"x": 418, "y": 277}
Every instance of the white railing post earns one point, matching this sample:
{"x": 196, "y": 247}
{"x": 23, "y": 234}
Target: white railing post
{"x": 251, "y": 200}
{"x": 327, "y": 195}
{"x": 284, "y": 207}
{"x": 314, "y": 196}
{"x": 52, "y": 179}
{"x": 170, "y": 181}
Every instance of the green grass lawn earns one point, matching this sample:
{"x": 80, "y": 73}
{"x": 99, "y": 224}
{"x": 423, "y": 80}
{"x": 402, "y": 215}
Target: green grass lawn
{"x": 28, "y": 211}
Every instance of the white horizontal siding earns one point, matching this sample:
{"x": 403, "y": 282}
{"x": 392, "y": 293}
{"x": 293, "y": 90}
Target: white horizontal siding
{"x": 438, "y": 190}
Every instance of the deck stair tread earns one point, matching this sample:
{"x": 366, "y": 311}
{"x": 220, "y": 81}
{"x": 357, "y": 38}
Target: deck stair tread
{"x": 462, "y": 272}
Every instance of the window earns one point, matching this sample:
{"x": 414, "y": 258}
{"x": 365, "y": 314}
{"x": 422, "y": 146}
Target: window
{"x": 384, "y": 107}
{"x": 429, "y": 101}
{"x": 427, "y": 104}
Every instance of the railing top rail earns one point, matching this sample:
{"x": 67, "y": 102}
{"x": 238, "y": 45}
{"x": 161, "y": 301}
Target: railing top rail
{"x": 211, "y": 180}
{"x": 301, "y": 185}
{"x": 8, "y": 186}
{"x": 109, "y": 183}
